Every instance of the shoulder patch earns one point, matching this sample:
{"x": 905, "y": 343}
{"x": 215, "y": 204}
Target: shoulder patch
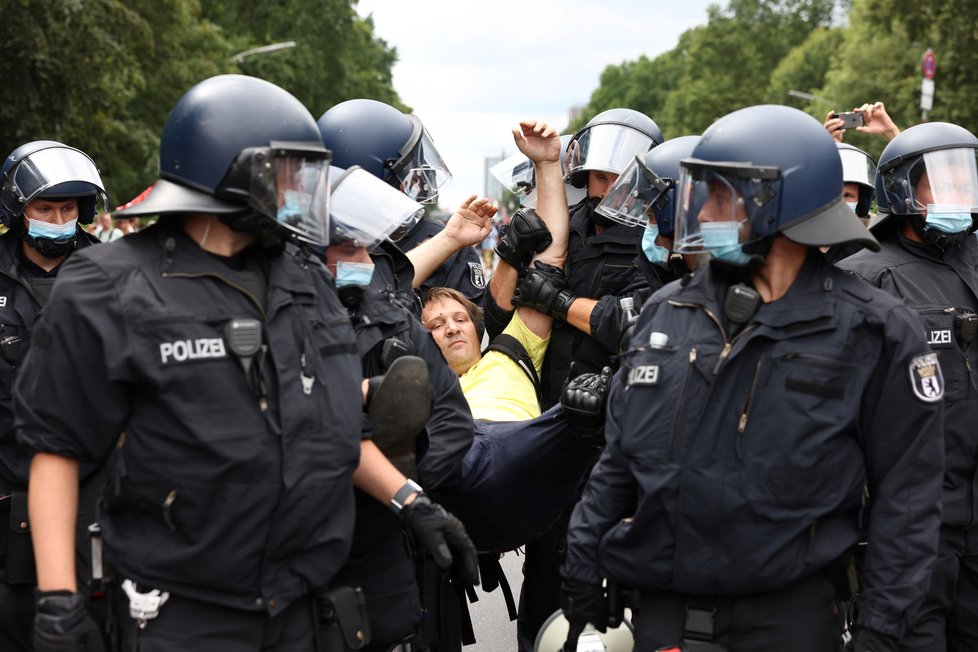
{"x": 477, "y": 276}
{"x": 926, "y": 378}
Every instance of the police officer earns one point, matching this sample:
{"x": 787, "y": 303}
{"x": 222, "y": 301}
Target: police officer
{"x": 927, "y": 193}
{"x": 757, "y": 405}
{"x": 220, "y": 374}
{"x": 600, "y": 267}
{"x": 397, "y": 149}
{"x": 47, "y": 190}
{"x": 364, "y": 211}
{"x": 644, "y": 195}
{"x": 858, "y": 181}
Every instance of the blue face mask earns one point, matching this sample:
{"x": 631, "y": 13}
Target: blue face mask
{"x": 948, "y": 218}
{"x": 657, "y": 255}
{"x": 353, "y": 274}
{"x": 722, "y": 241}
{"x": 291, "y": 210}
{"x": 39, "y": 229}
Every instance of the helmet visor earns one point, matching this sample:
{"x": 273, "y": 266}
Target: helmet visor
{"x": 636, "y": 191}
{"x": 46, "y": 168}
{"x": 291, "y": 186}
{"x": 949, "y": 178}
{"x": 365, "y": 210}
{"x": 857, "y": 167}
{"x": 420, "y": 168}
{"x": 707, "y": 197}
{"x": 606, "y": 148}
{"x": 515, "y": 173}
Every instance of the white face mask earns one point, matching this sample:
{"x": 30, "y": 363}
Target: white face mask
{"x": 42, "y": 229}
{"x": 852, "y": 205}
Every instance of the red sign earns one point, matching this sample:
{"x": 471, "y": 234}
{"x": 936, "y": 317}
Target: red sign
{"x": 928, "y": 64}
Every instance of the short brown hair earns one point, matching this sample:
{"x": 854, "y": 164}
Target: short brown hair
{"x": 475, "y": 312}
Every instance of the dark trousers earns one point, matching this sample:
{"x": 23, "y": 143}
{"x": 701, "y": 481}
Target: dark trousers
{"x": 540, "y": 593}
{"x": 186, "y": 625}
{"x": 800, "y": 618}
{"x": 16, "y": 617}
{"x": 948, "y": 617}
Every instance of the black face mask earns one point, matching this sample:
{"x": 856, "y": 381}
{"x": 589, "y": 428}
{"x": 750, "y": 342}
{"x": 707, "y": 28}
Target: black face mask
{"x": 270, "y": 236}
{"x": 590, "y": 204}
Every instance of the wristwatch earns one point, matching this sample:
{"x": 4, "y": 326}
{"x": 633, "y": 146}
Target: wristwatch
{"x": 410, "y": 487}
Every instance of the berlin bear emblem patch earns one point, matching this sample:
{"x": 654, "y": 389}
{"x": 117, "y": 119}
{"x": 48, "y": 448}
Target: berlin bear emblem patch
{"x": 477, "y": 276}
{"x": 926, "y": 378}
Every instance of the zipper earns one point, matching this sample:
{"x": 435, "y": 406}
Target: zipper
{"x": 223, "y": 280}
{"x": 679, "y": 404}
{"x": 742, "y": 423}
{"x": 727, "y": 344}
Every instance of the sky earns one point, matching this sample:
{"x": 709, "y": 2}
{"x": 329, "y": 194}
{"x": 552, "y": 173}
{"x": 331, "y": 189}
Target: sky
{"x": 472, "y": 70}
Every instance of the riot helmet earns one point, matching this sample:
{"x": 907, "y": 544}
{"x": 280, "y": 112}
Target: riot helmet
{"x": 393, "y": 146}
{"x": 759, "y": 172}
{"x": 49, "y": 170}
{"x": 859, "y": 168}
{"x": 52, "y": 170}
{"x": 365, "y": 210}
{"x": 517, "y": 174}
{"x": 647, "y": 186}
{"x": 248, "y": 151}
{"x": 608, "y": 142}
{"x": 928, "y": 174}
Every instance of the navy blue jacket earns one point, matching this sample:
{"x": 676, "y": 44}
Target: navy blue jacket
{"x": 940, "y": 287}
{"x": 737, "y": 466}
{"x": 221, "y": 489}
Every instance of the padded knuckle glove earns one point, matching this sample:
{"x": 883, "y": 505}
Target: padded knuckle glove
{"x": 525, "y": 235}
{"x": 583, "y": 400}
{"x": 544, "y": 289}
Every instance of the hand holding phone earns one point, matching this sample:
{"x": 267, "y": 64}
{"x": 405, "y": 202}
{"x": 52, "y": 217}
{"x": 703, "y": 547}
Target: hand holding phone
{"x": 850, "y": 119}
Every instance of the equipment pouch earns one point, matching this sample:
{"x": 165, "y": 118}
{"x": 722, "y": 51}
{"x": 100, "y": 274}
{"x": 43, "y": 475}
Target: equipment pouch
{"x": 20, "y": 552}
{"x": 341, "y": 619}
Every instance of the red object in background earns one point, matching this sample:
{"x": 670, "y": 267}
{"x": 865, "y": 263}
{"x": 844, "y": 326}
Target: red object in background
{"x": 928, "y": 64}
{"x": 135, "y": 200}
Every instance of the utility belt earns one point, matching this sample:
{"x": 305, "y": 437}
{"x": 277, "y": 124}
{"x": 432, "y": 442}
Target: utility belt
{"x": 698, "y": 614}
{"x": 16, "y": 550}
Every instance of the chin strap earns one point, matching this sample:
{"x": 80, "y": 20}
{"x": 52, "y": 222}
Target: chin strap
{"x": 270, "y": 236}
{"x": 51, "y": 248}
{"x": 943, "y": 241}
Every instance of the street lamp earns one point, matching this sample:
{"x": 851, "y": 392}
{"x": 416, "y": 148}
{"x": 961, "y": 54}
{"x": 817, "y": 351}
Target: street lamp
{"x": 273, "y": 47}
{"x": 812, "y": 98}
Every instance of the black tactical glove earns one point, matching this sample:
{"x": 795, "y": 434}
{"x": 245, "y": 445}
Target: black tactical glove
{"x": 869, "y": 640}
{"x": 443, "y": 535}
{"x": 62, "y": 624}
{"x": 583, "y": 399}
{"x": 525, "y": 235}
{"x": 544, "y": 289}
{"x": 583, "y": 602}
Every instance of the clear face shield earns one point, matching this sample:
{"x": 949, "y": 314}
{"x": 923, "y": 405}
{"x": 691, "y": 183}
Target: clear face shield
{"x": 857, "y": 167}
{"x": 606, "y": 147}
{"x": 947, "y": 183}
{"x": 365, "y": 210}
{"x": 516, "y": 174}
{"x": 637, "y": 190}
{"x": 420, "y": 168}
{"x": 47, "y": 168}
{"x": 290, "y": 184}
{"x": 717, "y": 206}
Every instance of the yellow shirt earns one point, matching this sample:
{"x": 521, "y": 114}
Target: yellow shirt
{"x": 496, "y": 388}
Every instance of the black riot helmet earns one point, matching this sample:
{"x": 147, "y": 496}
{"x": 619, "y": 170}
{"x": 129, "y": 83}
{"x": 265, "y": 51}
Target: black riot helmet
{"x": 248, "y": 151}
{"x": 609, "y": 142}
{"x": 928, "y": 174}
{"x": 50, "y": 170}
{"x": 391, "y": 145}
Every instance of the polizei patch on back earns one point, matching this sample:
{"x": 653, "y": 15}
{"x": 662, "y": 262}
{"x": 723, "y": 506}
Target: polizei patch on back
{"x": 926, "y": 378}
{"x": 192, "y": 350}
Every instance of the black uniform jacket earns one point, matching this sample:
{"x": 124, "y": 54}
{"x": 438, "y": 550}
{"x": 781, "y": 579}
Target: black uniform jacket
{"x": 737, "y": 465}
{"x": 223, "y": 487}
{"x": 19, "y": 308}
{"x": 941, "y": 288}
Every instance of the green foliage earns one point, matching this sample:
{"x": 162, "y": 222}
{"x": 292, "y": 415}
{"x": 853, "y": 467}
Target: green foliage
{"x": 102, "y": 75}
